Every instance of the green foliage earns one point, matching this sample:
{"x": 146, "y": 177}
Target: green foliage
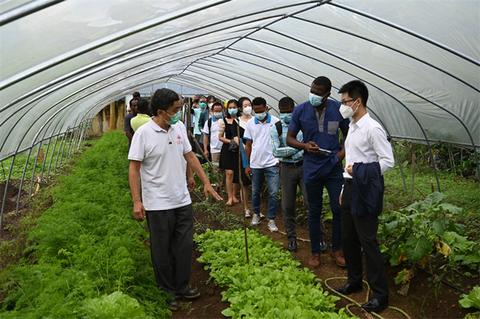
{"x": 424, "y": 229}
{"x": 472, "y": 300}
{"x": 271, "y": 286}
{"x": 88, "y": 255}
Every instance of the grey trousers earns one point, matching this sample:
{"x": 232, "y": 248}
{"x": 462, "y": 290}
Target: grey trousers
{"x": 171, "y": 244}
{"x": 290, "y": 177}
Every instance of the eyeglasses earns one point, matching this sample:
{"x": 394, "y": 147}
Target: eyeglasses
{"x": 346, "y": 101}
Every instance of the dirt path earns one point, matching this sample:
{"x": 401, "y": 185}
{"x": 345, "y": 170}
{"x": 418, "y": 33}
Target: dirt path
{"x": 421, "y": 301}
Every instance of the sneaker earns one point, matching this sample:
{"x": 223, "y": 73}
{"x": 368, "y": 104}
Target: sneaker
{"x": 247, "y": 213}
{"x": 272, "y": 226}
{"x": 292, "y": 245}
{"x": 323, "y": 246}
{"x": 173, "y": 305}
{"x": 262, "y": 216}
{"x": 255, "y": 220}
{"x": 189, "y": 293}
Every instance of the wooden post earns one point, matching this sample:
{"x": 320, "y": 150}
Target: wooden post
{"x": 113, "y": 117}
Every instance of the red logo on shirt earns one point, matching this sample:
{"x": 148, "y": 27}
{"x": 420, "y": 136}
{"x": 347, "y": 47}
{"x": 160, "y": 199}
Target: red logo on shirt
{"x": 179, "y": 139}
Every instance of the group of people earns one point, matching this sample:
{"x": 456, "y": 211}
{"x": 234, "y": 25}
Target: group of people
{"x": 302, "y": 149}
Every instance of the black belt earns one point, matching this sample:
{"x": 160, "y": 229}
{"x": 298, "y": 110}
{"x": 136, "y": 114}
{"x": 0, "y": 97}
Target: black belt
{"x": 296, "y": 164}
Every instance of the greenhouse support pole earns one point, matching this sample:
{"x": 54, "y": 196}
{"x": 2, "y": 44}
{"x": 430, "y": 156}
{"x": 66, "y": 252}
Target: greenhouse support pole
{"x": 59, "y": 152}
{"x": 62, "y": 153}
{"x": 53, "y": 152}
{"x": 404, "y": 183}
{"x": 24, "y": 173}
{"x": 5, "y": 191}
{"x": 3, "y": 171}
{"x": 36, "y": 160}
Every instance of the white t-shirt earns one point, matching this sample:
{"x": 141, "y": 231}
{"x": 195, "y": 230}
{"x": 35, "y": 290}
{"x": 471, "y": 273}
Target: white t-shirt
{"x": 163, "y": 169}
{"x": 215, "y": 143}
{"x": 259, "y": 133}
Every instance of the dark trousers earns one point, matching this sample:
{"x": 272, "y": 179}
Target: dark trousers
{"x": 291, "y": 176}
{"x": 171, "y": 244}
{"x": 357, "y": 233}
{"x": 333, "y": 182}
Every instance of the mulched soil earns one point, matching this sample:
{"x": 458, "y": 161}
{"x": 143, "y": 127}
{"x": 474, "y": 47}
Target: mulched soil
{"x": 421, "y": 301}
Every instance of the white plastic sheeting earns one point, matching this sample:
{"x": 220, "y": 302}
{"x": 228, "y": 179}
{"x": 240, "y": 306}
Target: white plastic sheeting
{"x": 420, "y": 59}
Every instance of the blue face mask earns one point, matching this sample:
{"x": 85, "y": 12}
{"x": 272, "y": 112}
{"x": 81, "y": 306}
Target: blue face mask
{"x": 202, "y": 105}
{"x": 286, "y": 117}
{"x": 261, "y": 116}
{"x": 218, "y": 115}
{"x": 314, "y": 99}
{"x": 233, "y": 112}
{"x": 175, "y": 118}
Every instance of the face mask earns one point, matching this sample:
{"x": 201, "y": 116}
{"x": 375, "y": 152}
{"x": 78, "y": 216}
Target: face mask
{"x": 232, "y": 112}
{"x": 261, "y": 116}
{"x": 347, "y": 111}
{"x": 314, "y": 99}
{"x": 210, "y": 105}
{"x": 217, "y": 115}
{"x": 175, "y": 118}
{"x": 247, "y": 110}
{"x": 286, "y": 117}
{"x": 202, "y": 105}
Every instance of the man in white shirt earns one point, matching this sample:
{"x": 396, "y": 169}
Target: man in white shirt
{"x": 158, "y": 157}
{"x": 263, "y": 165}
{"x": 368, "y": 154}
{"x": 211, "y": 142}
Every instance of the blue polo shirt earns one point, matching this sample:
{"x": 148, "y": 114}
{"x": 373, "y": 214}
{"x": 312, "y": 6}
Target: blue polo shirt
{"x": 322, "y": 129}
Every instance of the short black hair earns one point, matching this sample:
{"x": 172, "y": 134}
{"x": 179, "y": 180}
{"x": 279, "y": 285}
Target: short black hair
{"x": 142, "y": 106}
{"x": 130, "y": 102}
{"x": 211, "y": 97}
{"x": 259, "y": 101}
{"x": 355, "y": 89}
{"x": 217, "y": 103}
{"x": 286, "y": 102}
{"x": 162, "y": 99}
{"x": 136, "y": 94}
{"x": 323, "y": 81}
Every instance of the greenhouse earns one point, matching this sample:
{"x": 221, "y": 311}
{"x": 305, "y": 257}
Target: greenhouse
{"x": 118, "y": 117}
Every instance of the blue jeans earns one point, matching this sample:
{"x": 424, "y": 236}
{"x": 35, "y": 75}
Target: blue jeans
{"x": 272, "y": 176}
{"x": 333, "y": 182}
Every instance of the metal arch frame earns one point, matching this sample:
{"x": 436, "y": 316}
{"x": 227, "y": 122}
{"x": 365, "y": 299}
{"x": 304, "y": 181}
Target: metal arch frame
{"x": 409, "y": 32}
{"x": 25, "y": 10}
{"x": 381, "y": 77}
{"x": 107, "y": 40}
{"x": 153, "y": 42}
{"x": 292, "y": 68}
{"x": 202, "y": 63}
{"x": 103, "y": 79}
{"x": 390, "y": 48}
{"x": 346, "y": 72}
{"x": 97, "y": 82}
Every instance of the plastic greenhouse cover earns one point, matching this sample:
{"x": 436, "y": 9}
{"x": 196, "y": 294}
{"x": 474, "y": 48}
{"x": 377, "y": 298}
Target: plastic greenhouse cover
{"x": 419, "y": 59}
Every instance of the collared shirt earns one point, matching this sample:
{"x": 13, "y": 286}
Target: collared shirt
{"x": 215, "y": 143}
{"x": 259, "y": 133}
{"x": 367, "y": 143}
{"x": 163, "y": 169}
{"x": 284, "y": 153}
{"x": 321, "y": 129}
{"x": 139, "y": 120}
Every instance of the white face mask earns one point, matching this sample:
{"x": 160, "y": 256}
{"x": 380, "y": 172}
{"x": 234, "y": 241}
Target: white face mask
{"x": 247, "y": 110}
{"x": 347, "y": 111}
{"x": 210, "y": 105}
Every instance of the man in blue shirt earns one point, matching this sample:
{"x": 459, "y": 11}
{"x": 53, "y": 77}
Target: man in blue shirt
{"x": 319, "y": 120}
{"x": 291, "y": 168}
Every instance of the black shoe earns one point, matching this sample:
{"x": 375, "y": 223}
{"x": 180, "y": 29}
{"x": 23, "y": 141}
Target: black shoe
{"x": 323, "y": 246}
{"x": 189, "y": 293}
{"x": 292, "y": 245}
{"x": 350, "y": 288}
{"x": 173, "y": 305}
{"x": 375, "y": 305}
